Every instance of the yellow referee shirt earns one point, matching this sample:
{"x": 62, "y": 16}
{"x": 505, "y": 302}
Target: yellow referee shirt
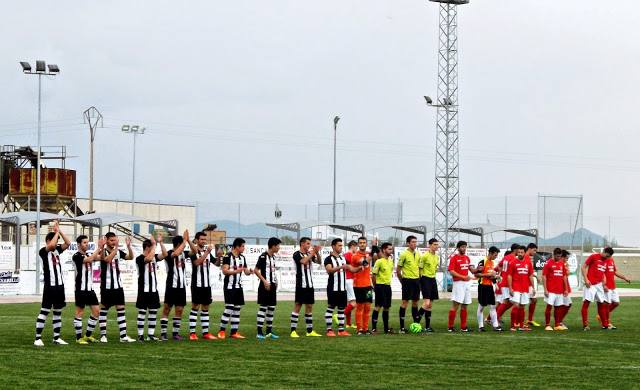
{"x": 429, "y": 264}
{"x": 409, "y": 262}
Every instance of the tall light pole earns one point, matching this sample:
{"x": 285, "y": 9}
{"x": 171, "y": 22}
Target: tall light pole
{"x": 335, "y": 131}
{"x": 447, "y": 179}
{"x": 135, "y": 130}
{"x": 40, "y": 71}
{"x": 94, "y": 118}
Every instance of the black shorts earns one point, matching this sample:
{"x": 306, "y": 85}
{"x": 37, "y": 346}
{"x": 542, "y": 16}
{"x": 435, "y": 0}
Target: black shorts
{"x": 112, "y": 297}
{"x": 429, "y": 288}
{"x": 363, "y": 294}
{"x": 234, "y": 296}
{"x": 201, "y": 295}
{"x": 383, "y": 295}
{"x": 410, "y": 289}
{"x": 148, "y": 300}
{"x": 486, "y": 295}
{"x": 175, "y": 296}
{"x": 337, "y": 299}
{"x": 305, "y": 296}
{"x": 86, "y": 298}
{"x": 267, "y": 298}
{"x": 53, "y": 297}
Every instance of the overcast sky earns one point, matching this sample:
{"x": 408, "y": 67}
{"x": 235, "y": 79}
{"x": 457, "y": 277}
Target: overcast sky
{"x": 238, "y": 97}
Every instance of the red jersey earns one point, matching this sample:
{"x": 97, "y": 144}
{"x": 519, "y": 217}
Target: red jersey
{"x": 347, "y": 258}
{"x": 566, "y": 271}
{"x": 460, "y": 264}
{"x": 595, "y": 272}
{"x": 555, "y": 272}
{"x": 610, "y": 272}
{"x": 520, "y": 270}
{"x": 504, "y": 263}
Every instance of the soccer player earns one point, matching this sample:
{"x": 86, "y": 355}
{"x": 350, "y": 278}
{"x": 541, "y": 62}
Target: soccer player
{"x": 520, "y": 278}
{"x": 84, "y": 294}
{"x": 111, "y": 291}
{"x": 554, "y": 276}
{"x": 428, "y": 285}
{"x": 567, "y": 299}
{"x": 234, "y": 265}
{"x": 459, "y": 267}
{"x": 175, "y": 293}
{"x": 595, "y": 290}
{"x": 336, "y": 289}
{"x": 303, "y": 259}
{"x": 266, "y": 271}
{"x": 382, "y": 273}
{"x": 148, "y": 300}
{"x": 362, "y": 286}
{"x": 532, "y": 250}
{"x": 613, "y": 297}
{"x": 351, "y": 296}
{"x": 486, "y": 295}
{"x": 408, "y": 273}
{"x": 505, "y": 295}
{"x": 53, "y": 293}
{"x": 201, "y": 285}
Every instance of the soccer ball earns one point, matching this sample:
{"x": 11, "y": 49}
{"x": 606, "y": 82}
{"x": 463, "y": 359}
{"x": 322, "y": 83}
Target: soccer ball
{"x": 415, "y": 328}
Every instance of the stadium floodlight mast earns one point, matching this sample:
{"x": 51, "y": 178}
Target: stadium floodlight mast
{"x": 41, "y": 70}
{"x": 336, "y": 119}
{"x": 135, "y": 130}
{"x": 446, "y": 205}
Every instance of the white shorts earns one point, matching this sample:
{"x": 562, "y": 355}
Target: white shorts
{"x": 461, "y": 292}
{"x": 555, "y": 299}
{"x": 351, "y": 296}
{"x": 504, "y": 295}
{"x": 566, "y": 301}
{"x": 595, "y": 293}
{"x": 520, "y": 298}
{"x": 612, "y": 296}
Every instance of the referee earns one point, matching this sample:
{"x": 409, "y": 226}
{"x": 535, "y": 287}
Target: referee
{"x": 409, "y": 275}
{"x": 428, "y": 285}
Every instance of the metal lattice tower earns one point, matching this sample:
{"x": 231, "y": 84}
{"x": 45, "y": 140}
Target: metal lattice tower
{"x": 446, "y": 207}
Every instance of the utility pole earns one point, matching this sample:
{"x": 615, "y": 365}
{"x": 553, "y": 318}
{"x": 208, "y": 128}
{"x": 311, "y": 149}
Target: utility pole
{"x": 335, "y": 131}
{"x": 93, "y": 118}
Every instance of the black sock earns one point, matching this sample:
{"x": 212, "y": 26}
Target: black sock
{"x": 385, "y": 320}
{"x": 374, "y": 319}
{"x": 427, "y": 319}
{"x": 403, "y": 310}
{"x": 420, "y": 313}
{"x": 414, "y": 314}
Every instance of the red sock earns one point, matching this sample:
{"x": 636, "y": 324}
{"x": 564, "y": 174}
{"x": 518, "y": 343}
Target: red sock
{"x": 347, "y": 313}
{"x": 585, "y": 313}
{"x": 514, "y": 317}
{"x": 503, "y": 308}
{"x": 547, "y": 315}
{"x": 522, "y": 314}
{"x": 452, "y": 317}
{"x": 603, "y": 311}
{"x": 565, "y": 310}
{"x": 532, "y": 309}
{"x": 612, "y": 306}
{"x": 463, "y": 318}
{"x": 557, "y": 314}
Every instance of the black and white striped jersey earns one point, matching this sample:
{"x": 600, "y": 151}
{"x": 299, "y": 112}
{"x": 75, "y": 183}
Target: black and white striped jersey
{"x": 175, "y": 269}
{"x": 51, "y": 266}
{"x": 84, "y": 272}
{"x": 110, "y": 272}
{"x": 200, "y": 276}
{"x": 267, "y": 266}
{"x": 147, "y": 279}
{"x": 336, "y": 279}
{"x": 233, "y": 281}
{"x": 303, "y": 271}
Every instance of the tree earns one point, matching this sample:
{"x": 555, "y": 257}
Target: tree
{"x": 288, "y": 240}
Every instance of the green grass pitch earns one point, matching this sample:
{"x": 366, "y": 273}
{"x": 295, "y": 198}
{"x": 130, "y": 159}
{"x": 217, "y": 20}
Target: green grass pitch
{"x": 538, "y": 360}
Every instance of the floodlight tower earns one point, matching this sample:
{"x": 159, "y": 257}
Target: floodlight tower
{"x": 446, "y": 206}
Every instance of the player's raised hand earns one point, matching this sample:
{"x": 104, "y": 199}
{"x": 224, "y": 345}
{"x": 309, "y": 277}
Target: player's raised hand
{"x": 56, "y": 226}
{"x": 185, "y": 235}
{"x": 127, "y": 240}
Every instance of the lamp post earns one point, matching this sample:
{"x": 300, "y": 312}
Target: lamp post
{"x": 135, "y": 130}
{"x": 41, "y": 70}
{"x": 335, "y": 131}
{"x": 94, "y": 118}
